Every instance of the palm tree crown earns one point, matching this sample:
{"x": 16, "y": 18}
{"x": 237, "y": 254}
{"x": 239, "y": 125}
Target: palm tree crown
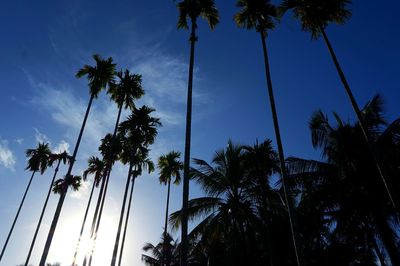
{"x": 128, "y": 89}
{"x": 193, "y": 9}
{"x": 39, "y": 158}
{"x": 99, "y": 76}
{"x": 96, "y": 167}
{"x": 256, "y": 14}
{"x": 170, "y": 166}
{"x": 316, "y": 14}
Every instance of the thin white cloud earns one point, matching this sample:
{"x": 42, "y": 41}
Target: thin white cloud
{"x": 61, "y": 147}
{"x": 19, "y": 141}
{"x": 40, "y": 137}
{"x": 7, "y": 158}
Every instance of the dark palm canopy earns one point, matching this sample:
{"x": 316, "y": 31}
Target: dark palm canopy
{"x": 170, "y": 166}
{"x": 95, "y": 167}
{"x": 99, "y": 76}
{"x": 256, "y": 14}
{"x": 38, "y": 158}
{"x": 192, "y": 9}
{"x": 128, "y": 89}
{"x": 316, "y": 14}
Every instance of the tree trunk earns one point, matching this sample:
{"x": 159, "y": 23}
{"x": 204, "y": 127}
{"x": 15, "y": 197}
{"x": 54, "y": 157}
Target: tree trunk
{"x": 360, "y": 121}
{"x": 126, "y": 222}
{"x": 278, "y": 141}
{"x": 121, "y": 218}
{"x": 83, "y": 224}
{"x": 16, "y": 216}
{"x": 102, "y": 197}
{"x": 94, "y": 236}
{"x": 186, "y": 165}
{"x": 64, "y": 191}
{"x": 42, "y": 214}
{"x": 163, "y": 257}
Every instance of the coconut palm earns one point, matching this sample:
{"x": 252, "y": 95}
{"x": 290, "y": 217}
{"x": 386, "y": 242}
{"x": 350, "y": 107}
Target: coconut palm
{"x": 99, "y": 77}
{"x": 140, "y": 162}
{"x": 96, "y": 167}
{"x": 260, "y": 15}
{"x": 192, "y": 10}
{"x": 63, "y": 157}
{"x": 38, "y": 161}
{"x": 315, "y": 16}
{"x": 170, "y": 167}
{"x": 159, "y": 252}
{"x": 138, "y": 131}
{"x": 345, "y": 189}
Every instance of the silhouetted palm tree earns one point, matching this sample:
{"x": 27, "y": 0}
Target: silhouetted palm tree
{"x": 138, "y": 131}
{"x": 110, "y": 149}
{"x": 38, "y": 161}
{"x": 99, "y": 77}
{"x": 123, "y": 93}
{"x": 344, "y": 188}
{"x": 95, "y": 167}
{"x": 315, "y": 16}
{"x": 192, "y": 10}
{"x": 159, "y": 252}
{"x": 260, "y": 15}
{"x": 63, "y": 157}
{"x": 170, "y": 167}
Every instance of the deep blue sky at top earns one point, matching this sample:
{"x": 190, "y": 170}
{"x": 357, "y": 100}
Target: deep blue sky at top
{"x": 44, "y": 43}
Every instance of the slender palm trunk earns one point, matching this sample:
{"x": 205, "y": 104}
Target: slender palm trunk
{"x": 42, "y": 214}
{"x": 126, "y": 222}
{"x": 186, "y": 164}
{"x": 102, "y": 197}
{"x": 121, "y": 218}
{"x": 64, "y": 189}
{"x": 360, "y": 120}
{"x": 16, "y": 216}
{"x": 83, "y": 224}
{"x": 279, "y": 142}
{"x": 163, "y": 258}
{"x": 94, "y": 236}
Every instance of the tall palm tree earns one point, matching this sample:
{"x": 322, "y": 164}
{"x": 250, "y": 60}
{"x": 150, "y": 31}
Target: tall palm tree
{"x": 260, "y": 15}
{"x": 38, "y": 161}
{"x": 110, "y": 148}
{"x": 99, "y": 77}
{"x": 170, "y": 167}
{"x": 138, "y": 131}
{"x": 123, "y": 93}
{"x": 63, "y": 157}
{"x": 140, "y": 162}
{"x": 344, "y": 185}
{"x": 192, "y": 10}
{"x": 95, "y": 167}
{"x": 315, "y": 16}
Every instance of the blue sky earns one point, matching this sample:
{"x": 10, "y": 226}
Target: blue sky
{"x": 44, "y": 44}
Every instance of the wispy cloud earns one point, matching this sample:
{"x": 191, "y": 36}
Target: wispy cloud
{"x": 7, "y": 158}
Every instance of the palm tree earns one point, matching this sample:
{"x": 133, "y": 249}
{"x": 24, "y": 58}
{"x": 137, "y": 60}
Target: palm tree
{"x": 38, "y": 161}
{"x": 63, "y": 157}
{"x": 96, "y": 167}
{"x": 138, "y": 131}
{"x": 124, "y": 93}
{"x": 159, "y": 252}
{"x": 192, "y": 10}
{"x": 344, "y": 187}
{"x": 260, "y": 15}
{"x": 140, "y": 162}
{"x": 110, "y": 148}
{"x": 315, "y": 16}
{"x": 169, "y": 166}
{"x": 99, "y": 76}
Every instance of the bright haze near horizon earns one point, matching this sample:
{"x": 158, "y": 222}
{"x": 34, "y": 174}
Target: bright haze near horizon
{"x": 44, "y": 43}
